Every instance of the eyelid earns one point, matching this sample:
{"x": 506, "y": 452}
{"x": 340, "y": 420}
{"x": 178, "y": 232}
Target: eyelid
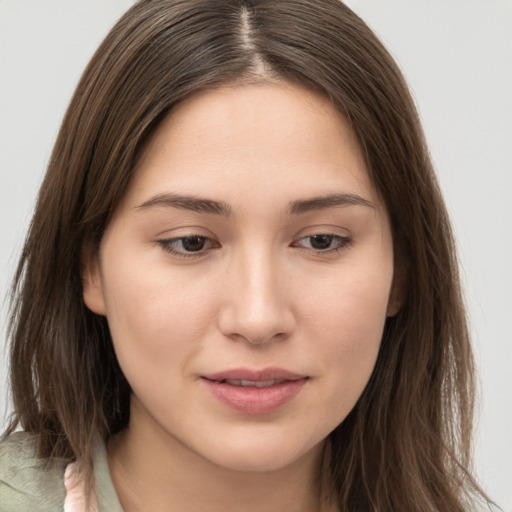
{"x": 167, "y": 245}
{"x": 343, "y": 241}
{"x": 340, "y": 242}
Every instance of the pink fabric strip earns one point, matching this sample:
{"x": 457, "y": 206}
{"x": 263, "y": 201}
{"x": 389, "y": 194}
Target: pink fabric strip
{"x": 75, "y": 492}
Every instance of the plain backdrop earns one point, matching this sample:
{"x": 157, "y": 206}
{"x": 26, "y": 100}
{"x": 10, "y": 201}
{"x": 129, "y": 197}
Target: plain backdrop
{"x": 457, "y": 57}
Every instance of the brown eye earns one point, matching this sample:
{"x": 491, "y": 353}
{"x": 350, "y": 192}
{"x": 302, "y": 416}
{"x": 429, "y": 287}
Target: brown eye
{"x": 324, "y": 242}
{"x": 321, "y": 242}
{"x": 193, "y": 243}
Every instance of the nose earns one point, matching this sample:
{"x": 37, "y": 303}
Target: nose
{"x": 257, "y": 305}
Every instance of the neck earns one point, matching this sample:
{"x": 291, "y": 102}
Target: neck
{"x": 151, "y": 470}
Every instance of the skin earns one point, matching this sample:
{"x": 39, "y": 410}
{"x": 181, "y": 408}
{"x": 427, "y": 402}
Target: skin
{"x": 261, "y": 293}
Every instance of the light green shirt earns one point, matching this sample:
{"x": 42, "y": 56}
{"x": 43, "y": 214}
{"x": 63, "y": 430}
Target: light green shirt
{"x": 27, "y": 484}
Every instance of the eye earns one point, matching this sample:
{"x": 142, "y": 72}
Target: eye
{"x": 187, "y": 246}
{"x": 324, "y": 242}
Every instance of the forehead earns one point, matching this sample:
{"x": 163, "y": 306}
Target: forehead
{"x": 270, "y": 139}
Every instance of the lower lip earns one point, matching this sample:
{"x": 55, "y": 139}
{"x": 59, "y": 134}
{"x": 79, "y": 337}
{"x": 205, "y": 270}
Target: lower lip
{"x": 253, "y": 400}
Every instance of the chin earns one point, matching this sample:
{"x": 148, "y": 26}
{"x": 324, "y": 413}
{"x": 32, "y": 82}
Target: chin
{"x": 261, "y": 456}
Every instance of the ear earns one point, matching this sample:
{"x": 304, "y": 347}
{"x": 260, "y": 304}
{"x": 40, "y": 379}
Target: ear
{"x": 92, "y": 289}
{"x": 398, "y": 292}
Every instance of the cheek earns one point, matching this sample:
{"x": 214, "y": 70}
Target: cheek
{"x": 350, "y": 306}
{"x": 346, "y": 325}
{"x": 155, "y": 321}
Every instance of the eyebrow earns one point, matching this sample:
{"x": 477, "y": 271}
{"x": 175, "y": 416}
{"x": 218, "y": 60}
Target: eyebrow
{"x": 192, "y": 203}
{"x": 209, "y": 206}
{"x": 327, "y": 201}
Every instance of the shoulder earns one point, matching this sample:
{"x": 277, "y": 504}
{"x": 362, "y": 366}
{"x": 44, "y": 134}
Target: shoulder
{"x": 26, "y": 482}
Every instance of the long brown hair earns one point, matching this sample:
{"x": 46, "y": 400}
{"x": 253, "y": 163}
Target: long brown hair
{"x": 406, "y": 444}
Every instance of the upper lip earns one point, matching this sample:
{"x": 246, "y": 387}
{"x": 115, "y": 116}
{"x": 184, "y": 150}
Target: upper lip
{"x": 265, "y": 374}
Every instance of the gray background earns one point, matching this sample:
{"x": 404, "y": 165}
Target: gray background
{"x": 457, "y": 57}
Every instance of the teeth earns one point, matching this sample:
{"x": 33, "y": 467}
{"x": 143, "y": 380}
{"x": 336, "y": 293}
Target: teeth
{"x": 252, "y": 383}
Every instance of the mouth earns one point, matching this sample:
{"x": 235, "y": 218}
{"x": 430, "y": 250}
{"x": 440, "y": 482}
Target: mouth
{"x": 251, "y": 383}
{"x": 238, "y": 376}
{"x": 255, "y": 392}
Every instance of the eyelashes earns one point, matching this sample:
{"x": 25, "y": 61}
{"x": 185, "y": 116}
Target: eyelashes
{"x": 192, "y": 246}
{"x": 324, "y": 242}
{"x": 195, "y": 246}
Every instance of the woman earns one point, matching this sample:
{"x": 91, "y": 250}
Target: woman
{"x": 239, "y": 288}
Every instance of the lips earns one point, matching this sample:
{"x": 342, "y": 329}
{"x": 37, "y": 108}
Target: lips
{"x": 255, "y": 392}
{"x": 252, "y": 383}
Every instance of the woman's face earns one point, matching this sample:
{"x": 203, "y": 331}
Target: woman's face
{"x": 246, "y": 277}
